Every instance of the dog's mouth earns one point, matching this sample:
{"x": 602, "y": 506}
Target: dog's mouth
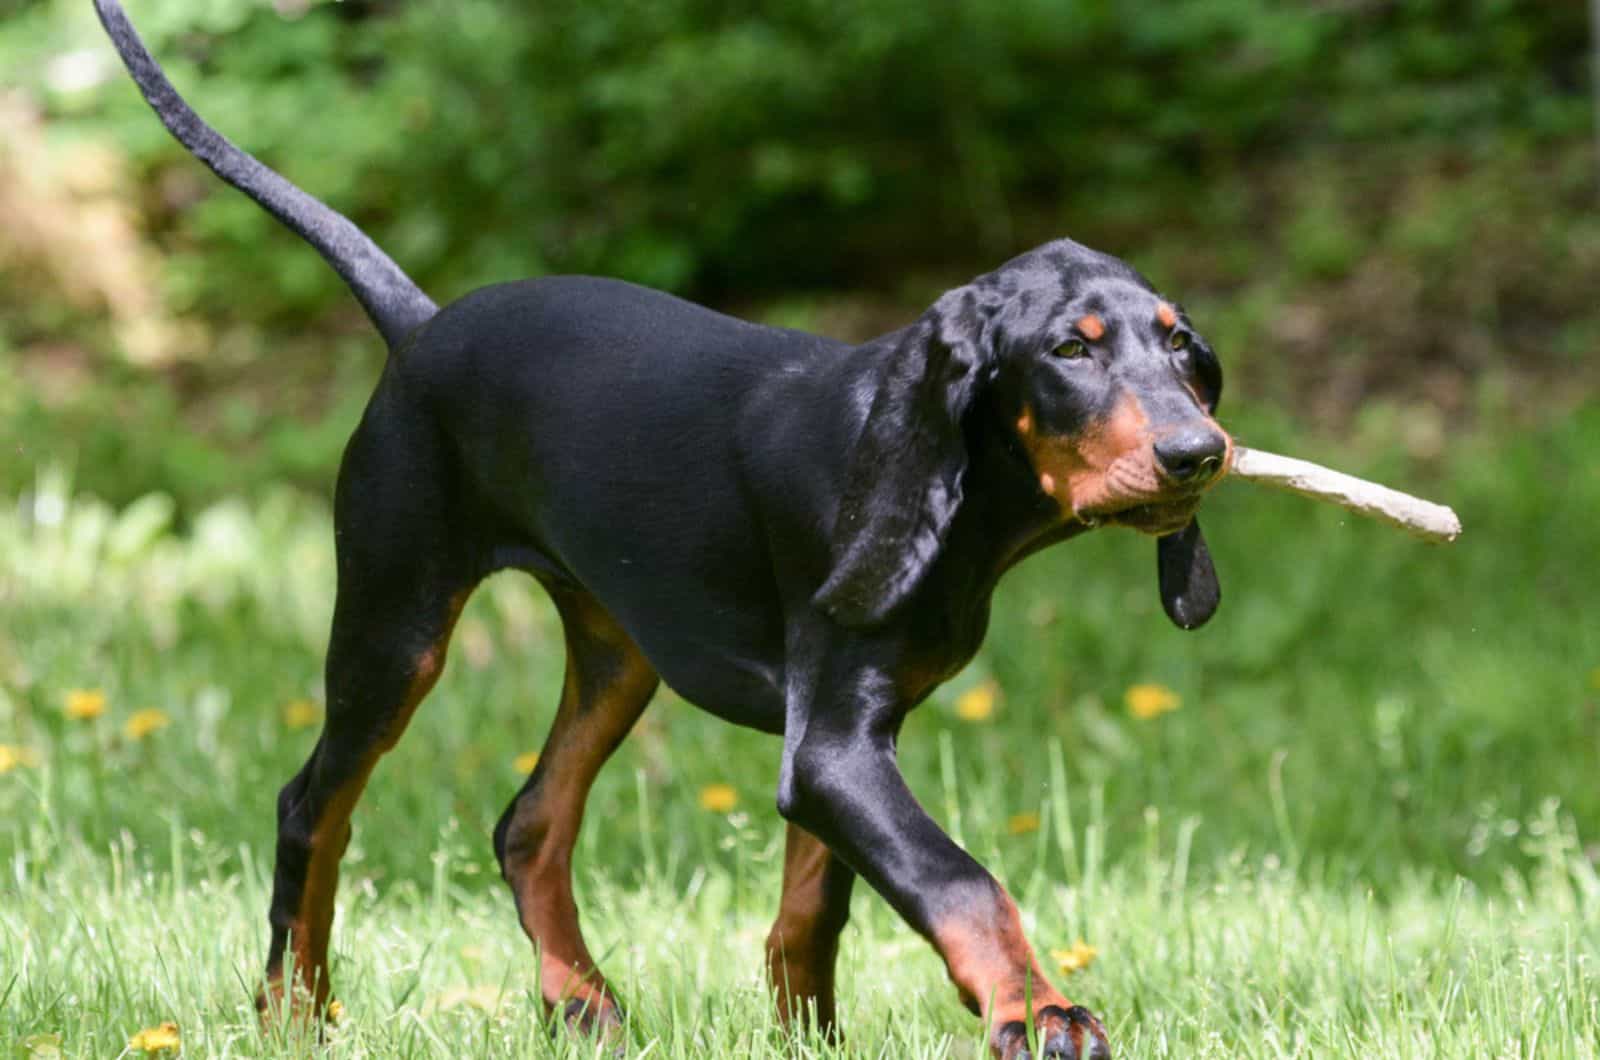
{"x": 1156, "y": 518}
{"x": 1132, "y": 492}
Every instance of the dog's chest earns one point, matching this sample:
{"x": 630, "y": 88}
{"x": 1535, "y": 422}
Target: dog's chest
{"x": 943, "y": 639}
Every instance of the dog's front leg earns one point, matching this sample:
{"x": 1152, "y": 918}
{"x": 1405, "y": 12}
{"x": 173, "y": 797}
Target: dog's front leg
{"x": 841, "y": 782}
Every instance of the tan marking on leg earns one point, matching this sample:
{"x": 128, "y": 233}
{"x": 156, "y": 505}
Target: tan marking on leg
{"x": 803, "y": 945}
{"x": 607, "y": 686}
{"x": 1167, "y": 315}
{"x": 313, "y": 923}
{"x": 992, "y": 965}
{"x": 312, "y": 927}
{"x": 1092, "y": 326}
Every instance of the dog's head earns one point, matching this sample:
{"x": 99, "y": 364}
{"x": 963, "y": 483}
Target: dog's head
{"x": 1109, "y": 390}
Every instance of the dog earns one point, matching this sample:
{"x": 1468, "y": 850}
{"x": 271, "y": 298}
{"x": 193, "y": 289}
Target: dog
{"x": 798, "y": 535}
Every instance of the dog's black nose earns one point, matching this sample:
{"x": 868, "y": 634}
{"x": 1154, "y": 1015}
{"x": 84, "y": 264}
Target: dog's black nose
{"x": 1191, "y": 457}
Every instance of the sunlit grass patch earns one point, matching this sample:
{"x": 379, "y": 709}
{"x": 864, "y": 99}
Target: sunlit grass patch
{"x": 1354, "y": 816}
{"x": 1223, "y": 960}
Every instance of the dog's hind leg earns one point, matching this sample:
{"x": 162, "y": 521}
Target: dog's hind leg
{"x": 608, "y": 684}
{"x": 403, "y": 577}
{"x": 803, "y": 945}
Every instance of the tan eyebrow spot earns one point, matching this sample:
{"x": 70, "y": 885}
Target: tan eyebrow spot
{"x": 1047, "y": 483}
{"x": 1091, "y": 326}
{"x": 1025, "y": 421}
{"x": 1166, "y": 315}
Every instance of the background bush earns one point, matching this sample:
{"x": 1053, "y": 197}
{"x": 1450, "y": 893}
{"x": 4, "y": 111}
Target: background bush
{"x": 1358, "y": 198}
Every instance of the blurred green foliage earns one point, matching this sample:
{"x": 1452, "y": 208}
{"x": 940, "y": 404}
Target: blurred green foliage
{"x": 700, "y": 145}
{"x": 1354, "y": 197}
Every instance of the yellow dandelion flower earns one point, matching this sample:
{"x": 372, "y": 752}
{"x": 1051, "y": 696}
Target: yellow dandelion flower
{"x": 718, "y": 798}
{"x": 155, "y": 1039}
{"x": 142, "y": 723}
{"x": 525, "y": 761}
{"x": 13, "y": 757}
{"x": 1023, "y": 823}
{"x": 977, "y": 703}
{"x": 335, "y": 1011}
{"x": 301, "y": 714}
{"x": 1074, "y": 958}
{"x": 84, "y": 703}
{"x": 1151, "y": 701}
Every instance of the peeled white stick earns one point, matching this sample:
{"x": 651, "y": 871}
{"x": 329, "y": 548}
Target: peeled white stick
{"x": 1429, "y": 521}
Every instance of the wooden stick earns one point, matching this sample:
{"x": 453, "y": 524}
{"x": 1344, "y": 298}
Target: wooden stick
{"x": 1429, "y": 521}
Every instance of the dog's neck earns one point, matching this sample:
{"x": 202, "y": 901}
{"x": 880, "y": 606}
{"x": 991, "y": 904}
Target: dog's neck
{"x": 1004, "y": 517}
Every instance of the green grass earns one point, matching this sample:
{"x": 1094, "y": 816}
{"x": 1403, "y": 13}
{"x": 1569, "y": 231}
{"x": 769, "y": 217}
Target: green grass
{"x": 1253, "y": 963}
{"x": 1363, "y": 832}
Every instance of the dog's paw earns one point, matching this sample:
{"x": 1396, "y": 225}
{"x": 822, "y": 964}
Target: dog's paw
{"x": 277, "y": 1004}
{"x": 1062, "y": 1033}
{"x": 598, "y": 1018}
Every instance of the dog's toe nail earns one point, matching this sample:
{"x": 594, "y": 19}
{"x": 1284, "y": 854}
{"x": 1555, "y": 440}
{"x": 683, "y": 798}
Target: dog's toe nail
{"x": 588, "y": 1016}
{"x": 1092, "y": 1036}
{"x": 1060, "y": 1047}
{"x": 1011, "y": 1041}
{"x": 1054, "y": 1027}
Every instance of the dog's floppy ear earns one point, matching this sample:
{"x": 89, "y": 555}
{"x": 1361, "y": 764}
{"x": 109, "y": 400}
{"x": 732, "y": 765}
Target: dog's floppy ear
{"x": 904, "y": 482}
{"x": 1189, "y": 589}
{"x": 1208, "y": 370}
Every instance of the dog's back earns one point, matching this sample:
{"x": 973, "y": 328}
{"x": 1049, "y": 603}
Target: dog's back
{"x": 607, "y": 427}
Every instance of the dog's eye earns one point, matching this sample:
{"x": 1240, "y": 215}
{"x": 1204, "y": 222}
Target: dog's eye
{"x": 1179, "y": 341}
{"x": 1072, "y": 350}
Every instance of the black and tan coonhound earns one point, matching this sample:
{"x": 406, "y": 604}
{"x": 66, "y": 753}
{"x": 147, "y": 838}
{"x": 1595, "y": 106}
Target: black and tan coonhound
{"x": 798, "y": 535}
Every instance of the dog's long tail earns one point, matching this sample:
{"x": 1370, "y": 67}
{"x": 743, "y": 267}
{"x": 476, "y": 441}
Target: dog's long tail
{"x": 395, "y": 304}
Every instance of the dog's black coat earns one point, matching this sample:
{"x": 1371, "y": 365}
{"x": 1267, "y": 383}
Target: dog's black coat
{"x": 797, "y": 534}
